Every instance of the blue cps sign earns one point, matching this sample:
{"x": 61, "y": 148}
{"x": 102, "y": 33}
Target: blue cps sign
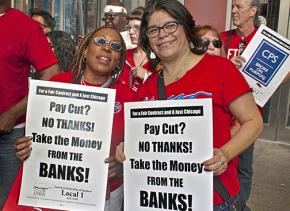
{"x": 265, "y": 62}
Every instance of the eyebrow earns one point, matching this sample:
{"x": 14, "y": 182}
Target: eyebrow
{"x": 170, "y": 21}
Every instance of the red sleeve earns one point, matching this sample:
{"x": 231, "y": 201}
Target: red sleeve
{"x": 38, "y": 50}
{"x": 233, "y": 82}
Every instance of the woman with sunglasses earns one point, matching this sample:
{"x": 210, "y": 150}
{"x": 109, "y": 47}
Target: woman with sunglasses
{"x": 210, "y": 38}
{"x": 99, "y": 60}
{"x": 169, "y": 30}
{"x": 138, "y": 67}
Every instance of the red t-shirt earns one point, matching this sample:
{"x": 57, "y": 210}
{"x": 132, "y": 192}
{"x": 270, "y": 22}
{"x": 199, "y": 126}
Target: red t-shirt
{"x": 234, "y": 42}
{"x": 123, "y": 94}
{"x": 233, "y": 47}
{"x": 213, "y": 77}
{"x": 126, "y": 75}
{"x": 22, "y": 43}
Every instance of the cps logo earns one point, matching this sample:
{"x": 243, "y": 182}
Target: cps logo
{"x": 270, "y": 56}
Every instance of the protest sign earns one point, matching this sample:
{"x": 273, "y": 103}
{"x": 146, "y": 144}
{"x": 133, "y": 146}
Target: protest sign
{"x": 268, "y": 63}
{"x": 166, "y": 143}
{"x": 71, "y": 129}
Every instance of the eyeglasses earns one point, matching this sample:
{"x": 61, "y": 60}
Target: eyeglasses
{"x": 101, "y": 41}
{"x": 242, "y": 46}
{"x": 135, "y": 27}
{"x": 169, "y": 28}
{"x": 216, "y": 43}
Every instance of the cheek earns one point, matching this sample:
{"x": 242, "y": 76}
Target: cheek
{"x": 116, "y": 58}
{"x": 218, "y": 51}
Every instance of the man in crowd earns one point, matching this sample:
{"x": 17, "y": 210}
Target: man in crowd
{"x": 245, "y": 16}
{"x": 22, "y": 44}
{"x": 115, "y": 15}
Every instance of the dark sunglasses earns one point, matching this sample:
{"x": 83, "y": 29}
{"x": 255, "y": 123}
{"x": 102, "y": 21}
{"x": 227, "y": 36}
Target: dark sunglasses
{"x": 101, "y": 41}
{"x": 216, "y": 43}
{"x": 242, "y": 46}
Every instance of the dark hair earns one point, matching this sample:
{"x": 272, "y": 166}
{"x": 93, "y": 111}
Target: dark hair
{"x": 178, "y": 12}
{"x": 48, "y": 19}
{"x": 79, "y": 63}
{"x": 136, "y": 14}
{"x": 64, "y": 48}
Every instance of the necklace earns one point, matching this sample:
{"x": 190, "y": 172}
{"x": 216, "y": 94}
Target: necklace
{"x": 141, "y": 63}
{"x": 184, "y": 69}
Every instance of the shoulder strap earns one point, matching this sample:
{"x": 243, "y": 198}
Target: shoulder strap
{"x": 230, "y": 33}
{"x": 161, "y": 86}
{"x": 220, "y": 188}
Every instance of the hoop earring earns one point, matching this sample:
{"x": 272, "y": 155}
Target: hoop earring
{"x": 84, "y": 60}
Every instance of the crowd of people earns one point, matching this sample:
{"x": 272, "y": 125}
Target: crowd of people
{"x": 187, "y": 58}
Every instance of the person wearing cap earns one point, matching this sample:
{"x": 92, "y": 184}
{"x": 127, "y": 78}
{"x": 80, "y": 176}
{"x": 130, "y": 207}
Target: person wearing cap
{"x": 115, "y": 15}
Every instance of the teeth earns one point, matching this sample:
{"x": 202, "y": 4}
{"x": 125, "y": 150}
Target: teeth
{"x": 104, "y": 58}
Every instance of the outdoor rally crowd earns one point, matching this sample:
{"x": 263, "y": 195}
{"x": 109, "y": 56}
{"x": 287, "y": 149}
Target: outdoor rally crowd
{"x": 131, "y": 53}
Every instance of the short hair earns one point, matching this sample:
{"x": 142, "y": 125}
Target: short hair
{"x": 175, "y": 9}
{"x": 136, "y": 14}
{"x": 64, "y": 48}
{"x": 48, "y": 19}
{"x": 256, "y": 3}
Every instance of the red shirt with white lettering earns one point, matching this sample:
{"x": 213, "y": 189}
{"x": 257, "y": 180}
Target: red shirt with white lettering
{"x": 234, "y": 42}
{"x": 213, "y": 77}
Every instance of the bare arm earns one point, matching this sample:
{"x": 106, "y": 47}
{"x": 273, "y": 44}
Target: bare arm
{"x": 8, "y": 118}
{"x": 246, "y": 112}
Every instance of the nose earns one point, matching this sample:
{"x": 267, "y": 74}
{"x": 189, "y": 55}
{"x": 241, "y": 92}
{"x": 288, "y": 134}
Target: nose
{"x": 162, "y": 33}
{"x": 131, "y": 30}
{"x": 210, "y": 46}
{"x": 234, "y": 9}
{"x": 106, "y": 47}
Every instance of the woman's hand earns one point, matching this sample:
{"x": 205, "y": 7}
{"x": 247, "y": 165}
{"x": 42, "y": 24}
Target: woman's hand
{"x": 218, "y": 163}
{"x": 115, "y": 167}
{"x": 23, "y": 147}
{"x": 139, "y": 72}
{"x": 120, "y": 156}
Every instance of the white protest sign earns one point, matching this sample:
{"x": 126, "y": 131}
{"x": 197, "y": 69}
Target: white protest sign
{"x": 166, "y": 143}
{"x": 268, "y": 63}
{"x": 71, "y": 128}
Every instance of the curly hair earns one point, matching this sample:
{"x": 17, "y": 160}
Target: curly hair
{"x": 64, "y": 48}
{"x": 79, "y": 62}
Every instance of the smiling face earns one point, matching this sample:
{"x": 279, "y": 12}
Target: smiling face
{"x": 102, "y": 59}
{"x": 167, "y": 46}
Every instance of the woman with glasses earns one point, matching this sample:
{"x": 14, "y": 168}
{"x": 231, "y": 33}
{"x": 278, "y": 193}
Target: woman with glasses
{"x": 168, "y": 30}
{"x": 210, "y": 37}
{"x": 137, "y": 68}
{"x": 99, "y": 60}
